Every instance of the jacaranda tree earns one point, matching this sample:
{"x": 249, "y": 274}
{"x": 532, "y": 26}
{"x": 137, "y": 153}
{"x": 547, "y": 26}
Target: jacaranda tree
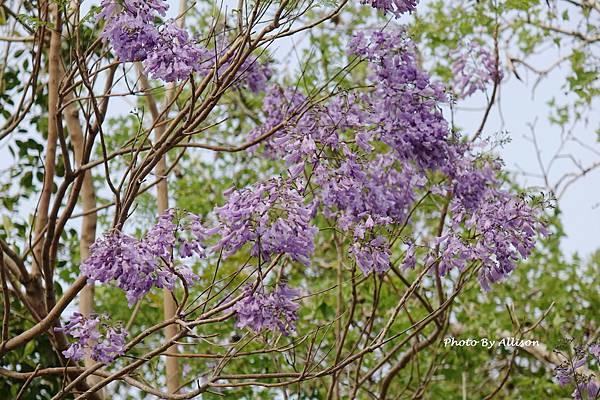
{"x": 261, "y": 199}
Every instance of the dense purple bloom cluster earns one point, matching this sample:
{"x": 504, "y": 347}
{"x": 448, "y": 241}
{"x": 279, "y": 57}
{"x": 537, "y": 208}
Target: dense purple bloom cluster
{"x": 472, "y": 182}
{"x": 175, "y": 57}
{"x": 374, "y": 188}
{"x": 405, "y": 103}
{"x": 122, "y": 258}
{"x": 395, "y": 7}
{"x": 473, "y": 68}
{"x": 274, "y": 311}
{"x": 503, "y": 230}
{"x": 364, "y": 193}
{"x": 361, "y": 193}
{"x": 138, "y": 265}
{"x": 279, "y": 105}
{"x": 146, "y": 10}
{"x": 166, "y": 50}
{"x": 271, "y": 215}
{"x": 131, "y": 37}
{"x": 372, "y": 256}
{"x": 104, "y": 342}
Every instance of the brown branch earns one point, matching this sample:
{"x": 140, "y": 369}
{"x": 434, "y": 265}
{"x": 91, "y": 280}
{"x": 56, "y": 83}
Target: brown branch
{"x": 5, "y": 298}
{"x": 48, "y": 321}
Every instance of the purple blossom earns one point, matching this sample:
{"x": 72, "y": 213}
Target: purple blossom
{"x": 147, "y": 10}
{"x": 410, "y": 259}
{"x": 473, "y": 68}
{"x": 74, "y": 352}
{"x": 279, "y": 105}
{"x": 165, "y": 49}
{"x": 111, "y": 345}
{"x": 591, "y": 388}
{"x": 563, "y": 376}
{"x": 395, "y": 7}
{"x": 131, "y": 37}
{"x": 595, "y": 350}
{"x": 108, "y": 9}
{"x": 572, "y": 370}
{"x": 472, "y": 182}
{"x": 137, "y": 266}
{"x": 179, "y": 231}
{"x": 405, "y": 103}
{"x": 124, "y": 259}
{"x": 274, "y": 311}
{"x": 255, "y": 74}
{"x": 503, "y": 228}
{"x": 372, "y": 256}
{"x": 174, "y": 57}
{"x": 372, "y": 187}
{"x": 356, "y": 186}
{"x": 272, "y": 215}
{"x": 104, "y": 342}
{"x": 85, "y": 330}
{"x": 160, "y": 239}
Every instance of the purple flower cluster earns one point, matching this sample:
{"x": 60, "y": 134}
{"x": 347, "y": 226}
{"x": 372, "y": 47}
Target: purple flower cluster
{"x": 103, "y": 341}
{"x": 586, "y": 385}
{"x": 255, "y": 74}
{"x": 175, "y": 57}
{"x": 279, "y": 105}
{"x": 395, "y": 7}
{"x": 502, "y": 230}
{"x": 374, "y": 187}
{"x": 372, "y": 256}
{"x": 271, "y": 215}
{"x": 138, "y": 265}
{"x": 473, "y": 68}
{"x": 405, "y": 103}
{"x": 274, "y": 311}
{"x": 132, "y": 38}
{"x": 122, "y": 258}
{"x": 337, "y": 140}
{"x": 366, "y": 160}
{"x": 472, "y": 182}
{"x": 165, "y": 49}
{"x": 364, "y": 194}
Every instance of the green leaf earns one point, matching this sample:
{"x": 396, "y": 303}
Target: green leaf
{"x": 29, "y": 348}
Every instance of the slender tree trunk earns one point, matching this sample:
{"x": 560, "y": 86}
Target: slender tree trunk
{"x": 169, "y": 306}
{"x": 35, "y": 290}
